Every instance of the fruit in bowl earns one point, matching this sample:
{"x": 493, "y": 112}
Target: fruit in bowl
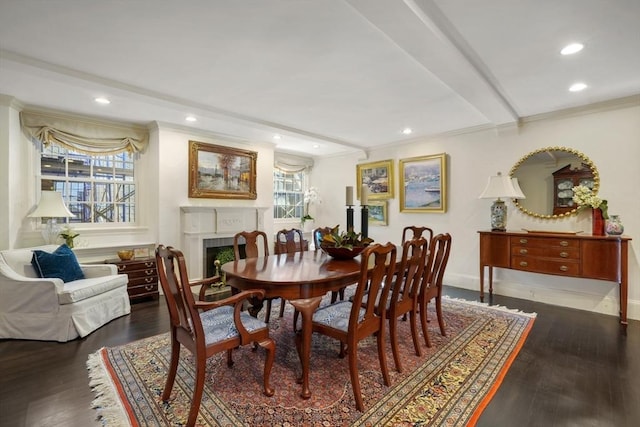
{"x": 125, "y": 255}
{"x": 345, "y": 245}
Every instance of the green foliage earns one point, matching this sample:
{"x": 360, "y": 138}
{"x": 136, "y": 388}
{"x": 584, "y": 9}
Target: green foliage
{"x": 225, "y": 255}
{"x": 347, "y": 239}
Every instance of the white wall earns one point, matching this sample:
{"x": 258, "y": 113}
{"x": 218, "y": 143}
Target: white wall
{"x": 610, "y": 138}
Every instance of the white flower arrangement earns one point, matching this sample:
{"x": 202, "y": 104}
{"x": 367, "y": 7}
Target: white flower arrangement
{"x": 583, "y": 196}
{"x": 310, "y": 197}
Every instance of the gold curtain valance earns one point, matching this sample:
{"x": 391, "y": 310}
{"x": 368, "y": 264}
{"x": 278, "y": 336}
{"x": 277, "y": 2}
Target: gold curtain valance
{"x": 82, "y": 135}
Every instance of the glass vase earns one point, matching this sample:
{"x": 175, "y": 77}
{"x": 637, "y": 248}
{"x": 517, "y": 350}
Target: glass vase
{"x": 614, "y": 226}
{"x": 597, "y": 222}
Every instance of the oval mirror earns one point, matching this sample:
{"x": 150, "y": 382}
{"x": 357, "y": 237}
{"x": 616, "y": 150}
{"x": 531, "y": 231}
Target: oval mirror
{"x": 547, "y": 176}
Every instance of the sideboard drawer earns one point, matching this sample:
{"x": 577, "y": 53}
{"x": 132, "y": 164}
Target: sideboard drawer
{"x": 540, "y": 242}
{"x": 142, "y": 274}
{"x": 548, "y": 266}
{"x": 554, "y": 252}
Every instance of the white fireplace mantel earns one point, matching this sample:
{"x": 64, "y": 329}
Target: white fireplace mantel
{"x": 210, "y": 222}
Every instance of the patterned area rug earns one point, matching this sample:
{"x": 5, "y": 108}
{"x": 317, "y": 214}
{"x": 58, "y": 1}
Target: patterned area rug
{"x": 449, "y": 385}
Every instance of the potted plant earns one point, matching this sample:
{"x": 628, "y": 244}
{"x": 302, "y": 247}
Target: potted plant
{"x": 68, "y": 235}
{"x": 310, "y": 197}
{"x": 344, "y": 245}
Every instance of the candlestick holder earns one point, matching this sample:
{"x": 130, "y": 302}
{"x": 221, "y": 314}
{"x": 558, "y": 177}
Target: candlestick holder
{"x": 364, "y": 221}
{"x": 349, "y": 217}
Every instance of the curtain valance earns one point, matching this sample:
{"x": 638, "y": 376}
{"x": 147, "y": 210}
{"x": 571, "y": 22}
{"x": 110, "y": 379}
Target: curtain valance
{"x": 83, "y": 135}
{"x": 290, "y": 163}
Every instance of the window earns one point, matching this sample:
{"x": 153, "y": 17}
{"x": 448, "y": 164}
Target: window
{"x": 97, "y": 189}
{"x": 288, "y": 194}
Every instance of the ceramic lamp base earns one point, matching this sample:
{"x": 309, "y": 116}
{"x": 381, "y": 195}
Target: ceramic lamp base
{"x": 498, "y": 216}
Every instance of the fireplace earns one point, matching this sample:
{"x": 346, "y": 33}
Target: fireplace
{"x": 216, "y": 225}
{"x": 220, "y": 248}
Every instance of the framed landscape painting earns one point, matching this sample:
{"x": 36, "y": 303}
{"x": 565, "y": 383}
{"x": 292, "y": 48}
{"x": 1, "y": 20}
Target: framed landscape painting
{"x": 378, "y": 213}
{"x": 378, "y": 177}
{"x": 423, "y": 184}
{"x": 218, "y": 172}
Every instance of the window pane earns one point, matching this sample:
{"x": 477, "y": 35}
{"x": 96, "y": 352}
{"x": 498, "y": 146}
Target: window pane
{"x": 288, "y": 194}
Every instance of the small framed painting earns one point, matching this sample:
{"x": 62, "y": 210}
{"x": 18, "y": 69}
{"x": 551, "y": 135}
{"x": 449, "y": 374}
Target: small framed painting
{"x": 218, "y": 172}
{"x": 423, "y": 184}
{"x": 378, "y": 213}
{"x": 377, "y": 177}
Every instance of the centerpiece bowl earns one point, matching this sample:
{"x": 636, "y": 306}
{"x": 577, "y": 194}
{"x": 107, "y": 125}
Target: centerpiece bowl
{"x": 342, "y": 253}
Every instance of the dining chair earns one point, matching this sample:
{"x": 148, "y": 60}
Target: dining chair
{"x": 255, "y": 245}
{"x": 318, "y": 234}
{"x": 206, "y": 328}
{"x": 415, "y": 232}
{"x": 288, "y": 242}
{"x": 431, "y": 286}
{"x": 351, "y": 321}
{"x": 404, "y": 294}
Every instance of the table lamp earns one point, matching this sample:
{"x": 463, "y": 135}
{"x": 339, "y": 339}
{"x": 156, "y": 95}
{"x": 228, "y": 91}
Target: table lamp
{"x": 51, "y": 206}
{"x": 497, "y": 187}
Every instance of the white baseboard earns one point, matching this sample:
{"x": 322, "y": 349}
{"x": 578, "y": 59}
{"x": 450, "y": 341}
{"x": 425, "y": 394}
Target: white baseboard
{"x": 605, "y": 303}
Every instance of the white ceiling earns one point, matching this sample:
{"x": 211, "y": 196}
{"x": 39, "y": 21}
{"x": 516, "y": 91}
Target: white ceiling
{"x": 346, "y": 75}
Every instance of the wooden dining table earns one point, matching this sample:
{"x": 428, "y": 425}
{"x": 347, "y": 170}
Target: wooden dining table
{"x": 302, "y": 278}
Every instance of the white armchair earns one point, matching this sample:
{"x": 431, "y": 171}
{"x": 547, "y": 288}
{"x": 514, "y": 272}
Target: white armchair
{"x": 51, "y": 310}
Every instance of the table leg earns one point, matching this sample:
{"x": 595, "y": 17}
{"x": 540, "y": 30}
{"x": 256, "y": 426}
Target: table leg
{"x": 306, "y": 307}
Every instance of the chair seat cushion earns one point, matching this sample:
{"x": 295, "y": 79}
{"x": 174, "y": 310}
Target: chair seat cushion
{"x": 218, "y": 324}
{"x": 61, "y": 264}
{"x": 336, "y": 315}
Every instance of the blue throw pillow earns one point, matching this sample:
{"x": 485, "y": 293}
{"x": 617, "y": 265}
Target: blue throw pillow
{"x": 61, "y": 264}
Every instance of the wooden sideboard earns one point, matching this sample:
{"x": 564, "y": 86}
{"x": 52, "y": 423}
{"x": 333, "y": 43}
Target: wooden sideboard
{"x": 559, "y": 254}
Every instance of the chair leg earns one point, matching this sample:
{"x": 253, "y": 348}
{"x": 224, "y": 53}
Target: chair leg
{"x": 197, "y": 392}
{"x": 267, "y": 315}
{"x": 173, "y": 368}
{"x": 230, "y": 357}
{"x": 296, "y": 315}
{"x": 283, "y": 302}
{"x": 393, "y": 335}
{"x": 423, "y": 321}
{"x": 382, "y": 356}
{"x": 270, "y": 346}
{"x": 414, "y": 331}
{"x": 440, "y": 318}
{"x": 353, "y": 372}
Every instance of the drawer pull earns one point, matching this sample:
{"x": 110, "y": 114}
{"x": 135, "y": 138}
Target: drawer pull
{"x": 564, "y": 268}
{"x": 524, "y": 241}
{"x": 148, "y": 279}
{"x": 524, "y": 251}
{"x": 523, "y": 263}
{"x": 564, "y": 254}
{"x": 149, "y": 272}
{"x": 149, "y": 288}
{"x": 564, "y": 243}
{"x": 148, "y": 264}
{"x": 121, "y": 267}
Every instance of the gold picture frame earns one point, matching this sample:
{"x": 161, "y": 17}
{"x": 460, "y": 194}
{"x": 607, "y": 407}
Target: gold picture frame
{"x": 219, "y": 172}
{"x": 378, "y": 177}
{"x": 378, "y": 214}
{"x": 423, "y": 184}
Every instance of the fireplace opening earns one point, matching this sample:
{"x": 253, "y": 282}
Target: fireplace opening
{"x": 222, "y": 251}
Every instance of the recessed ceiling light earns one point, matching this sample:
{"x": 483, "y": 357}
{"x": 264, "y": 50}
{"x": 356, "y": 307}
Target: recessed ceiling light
{"x": 191, "y": 119}
{"x": 101, "y": 100}
{"x": 571, "y": 49}
{"x": 577, "y": 87}
{"x": 407, "y": 131}
{"x": 276, "y": 136}
{"x": 316, "y": 145}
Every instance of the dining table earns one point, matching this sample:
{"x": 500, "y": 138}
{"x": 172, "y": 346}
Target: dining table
{"x": 302, "y": 278}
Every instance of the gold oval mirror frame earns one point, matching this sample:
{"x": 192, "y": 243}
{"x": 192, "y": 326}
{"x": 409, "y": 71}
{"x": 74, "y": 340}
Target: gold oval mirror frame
{"x": 535, "y": 172}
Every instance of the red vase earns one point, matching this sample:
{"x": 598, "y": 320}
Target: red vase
{"x": 597, "y": 224}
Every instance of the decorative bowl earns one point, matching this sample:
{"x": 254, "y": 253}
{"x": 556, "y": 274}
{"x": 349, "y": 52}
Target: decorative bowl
{"x": 342, "y": 253}
{"x": 125, "y": 255}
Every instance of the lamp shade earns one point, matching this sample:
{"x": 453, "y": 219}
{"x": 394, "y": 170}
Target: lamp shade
{"x": 501, "y": 186}
{"x": 516, "y": 186}
{"x": 51, "y": 205}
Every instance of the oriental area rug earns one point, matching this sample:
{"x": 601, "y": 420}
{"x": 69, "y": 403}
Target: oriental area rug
{"x": 450, "y": 384}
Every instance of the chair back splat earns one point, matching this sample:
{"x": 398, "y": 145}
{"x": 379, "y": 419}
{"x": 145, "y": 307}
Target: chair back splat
{"x": 289, "y": 241}
{"x": 352, "y": 321}
{"x": 206, "y": 328}
{"x": 415, "y": 232}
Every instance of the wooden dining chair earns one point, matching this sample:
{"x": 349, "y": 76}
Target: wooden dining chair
{"x": 404, "y": 294}
{"x": 431, "y": 286}
{"x": 288, "y": 242}
{"x": 351, "y": 321}
{"x": 318, "y": 234}
{"x": 255, "y": 245}
{"x": 206, "y": 328}
{"x": 415, "y": 232}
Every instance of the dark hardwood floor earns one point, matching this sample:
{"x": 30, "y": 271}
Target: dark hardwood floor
{"x": 576, "y": 369}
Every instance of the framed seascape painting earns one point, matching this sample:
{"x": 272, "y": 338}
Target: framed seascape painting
{"x": 377, "y": 177}
{"x": 378, "y": 212}
{"x": 423, "y": 184}
{"x": 218, "y": 172}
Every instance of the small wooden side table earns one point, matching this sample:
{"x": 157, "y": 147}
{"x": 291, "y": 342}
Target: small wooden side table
{"x": 143, "y": 277}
